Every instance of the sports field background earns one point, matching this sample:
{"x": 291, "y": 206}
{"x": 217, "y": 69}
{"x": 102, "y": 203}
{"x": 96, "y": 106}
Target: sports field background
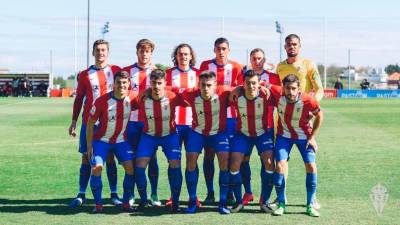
{"x": 359, "y": 147}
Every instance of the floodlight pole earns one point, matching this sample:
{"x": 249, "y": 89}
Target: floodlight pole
{"x": 348, "y": 67}
{"x": 88, "y": 34}
{"x": 279, "y": 30}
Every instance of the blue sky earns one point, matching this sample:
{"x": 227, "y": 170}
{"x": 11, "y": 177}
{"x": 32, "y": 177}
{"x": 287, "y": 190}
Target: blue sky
{"x": 30, "y": 29}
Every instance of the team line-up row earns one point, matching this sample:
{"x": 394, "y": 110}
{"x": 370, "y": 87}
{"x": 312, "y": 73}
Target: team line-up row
{"x": 223, "y": 108}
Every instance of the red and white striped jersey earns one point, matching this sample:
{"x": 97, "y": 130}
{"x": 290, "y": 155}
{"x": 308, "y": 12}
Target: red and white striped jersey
{"x": 268, "y": 78}
{"x": 209, "y": 116}
{"x": 178, "y": 78}
{"x": 159, "y": 115}
{"x": 294, "y": 119}
{"x": 140, "y": 81}
{"x": 253, "y": 114}
{"x": 113, "y": 115}
{"x": 93, "y": 83}
{"x": 229, "y": 74}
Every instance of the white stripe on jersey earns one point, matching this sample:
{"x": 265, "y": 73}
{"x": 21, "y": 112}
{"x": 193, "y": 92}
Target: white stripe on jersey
{"x": 215, "y": 111}
{"x": 166, "y": 116}
{"x": 110, "y": 78}
{"x": 135, "y": 74}
{"x": 112, "y": 120}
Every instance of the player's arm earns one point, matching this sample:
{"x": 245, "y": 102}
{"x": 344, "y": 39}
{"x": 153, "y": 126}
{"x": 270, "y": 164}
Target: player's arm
{"x": 89, "y": 137}
{"x": 316, "y": 126}
{"x": 78, "y": 102}
{"x": 316, "y": 83}
{"x": 235, "y": 93}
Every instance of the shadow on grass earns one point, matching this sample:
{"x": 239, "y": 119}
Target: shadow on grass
{"x": 61, "y": 207}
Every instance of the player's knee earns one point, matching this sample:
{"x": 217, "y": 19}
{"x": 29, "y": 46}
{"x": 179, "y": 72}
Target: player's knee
{"x": 96, "y": 170}
{"x": 311, "y": 167}
{"x": 281, "y": 166}
{"x": 128, "y": 167}
{"x": 175, "y": 163}
{"x": 191, "y": 165}
{"x": 209, "y": 154}
{"x": 85, "y": 159}
{"x": 110, "y": 159}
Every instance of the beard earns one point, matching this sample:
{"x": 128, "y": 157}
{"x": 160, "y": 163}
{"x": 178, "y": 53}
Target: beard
{"x": 292, "y": 54}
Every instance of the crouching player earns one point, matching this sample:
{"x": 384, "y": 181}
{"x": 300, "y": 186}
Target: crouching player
{"x": 295, "y": 111}
{"x": 252, "y": 106}
{"x": 209, "y": 104}
{"x": 112, "y": 110}
{"x": 157, "y": 109}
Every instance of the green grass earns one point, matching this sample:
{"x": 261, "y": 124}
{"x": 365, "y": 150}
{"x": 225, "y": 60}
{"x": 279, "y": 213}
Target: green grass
{"x": 358, "y": 148}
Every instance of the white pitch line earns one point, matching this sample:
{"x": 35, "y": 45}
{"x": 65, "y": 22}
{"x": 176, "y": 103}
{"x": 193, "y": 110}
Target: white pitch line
{"x": 39, "y": 143}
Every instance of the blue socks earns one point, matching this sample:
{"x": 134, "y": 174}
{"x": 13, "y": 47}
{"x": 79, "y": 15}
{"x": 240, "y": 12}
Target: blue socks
{"x": 246, "y": 176}
{"x": 84, "y": 176}
{"x": 175, "y": 183}
{"x": 141, "y": 183}
{"x": 128, "y": 186}
{"x": 223, "y": 187}
{"x": 266, "y": 184}
{"x": 311, "y": 186}
{"x": 153, "y": 173}
{"x": 279, "y": 182}
{"x": 208, "y": 169}
{"x": 236, "y": 182}
{"x": 192, "y": 178}
{"x": 97, "y": 187}
{"x": 112, "y": 176}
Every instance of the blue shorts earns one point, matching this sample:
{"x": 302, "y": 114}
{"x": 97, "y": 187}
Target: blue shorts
{"x": 134, "y": 131}
{"x": 244, "y": 144}
{"x": 121, "y": 150}
{"x": 183, "y": 133}
{"x": 284, "y": 146}
{"x": 218, "y": 142}
{"x": 231, "y": 126}
{"x": 148, "y": 145}
{"x": 82, "y": 139}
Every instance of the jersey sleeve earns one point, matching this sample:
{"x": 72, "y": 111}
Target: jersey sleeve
{"x": 96, "y": 110}
{"x": 276, "y": 93}
{"x": 115, "y": 69}
{"x": 315, "y": 80}
{"x": 203, "y": 66}
{"x": 239, "y": 74}
{"x": 80, "y": 94}
{"x": 314, "y": 106}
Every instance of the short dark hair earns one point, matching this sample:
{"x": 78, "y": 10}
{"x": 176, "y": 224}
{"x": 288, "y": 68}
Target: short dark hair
{"x": 101, "y": 42}
{"x": 157, "y": 74}
{"x": 250, "y": 74}
{"x": 292, "y": 36}
{"x": 122, "y": 75}
{"x": 173, "y": 55}
{"x": 144, "y": 43}
{"x": 220, "y": 41}
{"x": 257, "y": 50}
{"x": 291, "y": 78}
{"x": 207, "y": 75}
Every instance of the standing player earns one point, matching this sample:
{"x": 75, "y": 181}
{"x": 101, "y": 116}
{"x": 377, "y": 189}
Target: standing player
{"x": 183, "y": 75}
{"x": 305, "y": 70}
{"x": 257, "y": 60}
{"x": 112, "y": 110}
{"x": 228, "y": 73}
{"x": 92, "y": 83}
{"x": 139, "y": 73}
{"x": 254, "y": 128}
{"x": 157, "y": 110}
{"x": 208, "y": 105}
{"x": 296, "y": 110}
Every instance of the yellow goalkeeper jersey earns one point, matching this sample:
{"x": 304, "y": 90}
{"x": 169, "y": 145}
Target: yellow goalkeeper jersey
{"x": 307, "y": 72}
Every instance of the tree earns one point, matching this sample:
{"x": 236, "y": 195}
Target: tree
{"x": 162, "y": 67}
{"x": 60, "y": 81}
{"x": 392, "y": 68}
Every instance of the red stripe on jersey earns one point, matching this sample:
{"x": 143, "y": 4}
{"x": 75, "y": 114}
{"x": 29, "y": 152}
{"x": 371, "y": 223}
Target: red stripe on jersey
{"x": 208, "y": 117}
{"x": 251, "y": 121}
{"x": 157, "y": 114}
{"x": 119, "y": 121}
{"x": 288, "y": 120}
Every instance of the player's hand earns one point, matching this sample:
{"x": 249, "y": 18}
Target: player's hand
{"x": 264, "y": 90}
{"x": 311, "y": 141}
{"x": 235, "y": 94}
{"x": 72, "y": 129}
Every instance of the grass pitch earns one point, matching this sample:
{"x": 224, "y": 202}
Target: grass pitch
{"x": 359, "y": 147}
